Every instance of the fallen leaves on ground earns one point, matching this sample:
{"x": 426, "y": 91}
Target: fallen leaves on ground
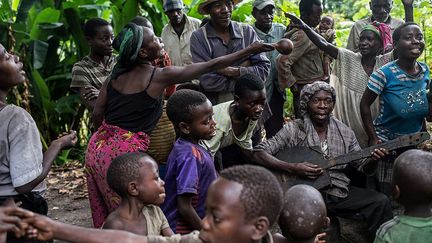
{"x": 68, "y": 179}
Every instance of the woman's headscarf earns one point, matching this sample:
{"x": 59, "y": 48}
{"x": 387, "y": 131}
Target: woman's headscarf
{"x": 309, "y": 90}
{"x": 383, "y": 32}
{"x": 128, "y": 43}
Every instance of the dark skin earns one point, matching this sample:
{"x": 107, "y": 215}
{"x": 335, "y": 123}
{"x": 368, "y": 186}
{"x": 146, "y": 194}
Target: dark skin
{"x": 10, "y": 220}
{"x": 220, "y": 19}
{"x": 177, "y": 20}
{"x": 136, "y": 80}
{"x": 411, "y": 183}
{"x": 248, "y": 106}
{"x": 319, "y": 109}
{"x": 381, "y": 10}
{"x": 147, "y": 189}
{"x": 314, "y": 18}
{"x": 100, "y": 52}
{"x": 264, "y": 18}
{"x": 12, "y": 74}
{"x": 202, "y": 127}
{"x": 224, "y": 222}
{"x": 370, "y": 45}
{"x": 410, "y": 46}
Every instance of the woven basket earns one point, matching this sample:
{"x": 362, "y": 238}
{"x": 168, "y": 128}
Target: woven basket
{"x": 162, "y": 138}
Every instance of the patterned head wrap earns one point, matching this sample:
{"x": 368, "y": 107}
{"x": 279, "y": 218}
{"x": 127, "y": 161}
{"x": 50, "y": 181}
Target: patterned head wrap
{"x": 309, "y": 90}
{"x": 383, "y": 32}
{"x": 128, "y": 43}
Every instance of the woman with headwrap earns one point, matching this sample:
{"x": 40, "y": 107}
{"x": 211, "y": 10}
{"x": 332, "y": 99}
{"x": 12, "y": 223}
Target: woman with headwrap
{"x": 401, "y": 87}
{"x": 351, "y": 71}
{"x": 130, "y": 104}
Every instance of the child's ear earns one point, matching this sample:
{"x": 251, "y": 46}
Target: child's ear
{"x": 132, "y": 188}
{"x": 327, "y": 222}
{"x": 396, "y": 192}
{"x": 260, "y": 229}
{"x": 236, "y": 99}
{"x": 184, "y": 127}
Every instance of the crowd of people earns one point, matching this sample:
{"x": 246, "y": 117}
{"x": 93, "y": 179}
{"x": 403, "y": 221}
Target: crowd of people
{"x": 221, "y": 84}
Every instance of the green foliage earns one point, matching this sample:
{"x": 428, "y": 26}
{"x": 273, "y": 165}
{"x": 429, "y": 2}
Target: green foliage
{"x": 48, "y": 37}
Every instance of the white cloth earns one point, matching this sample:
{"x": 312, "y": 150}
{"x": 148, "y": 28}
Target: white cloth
{"x": 179, "y": 48}
{"x": 350, "y": 80}
{"x": 20, "y": 150}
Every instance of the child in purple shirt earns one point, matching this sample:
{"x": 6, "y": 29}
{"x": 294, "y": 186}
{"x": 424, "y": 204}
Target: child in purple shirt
{"x": 190, "y": 166}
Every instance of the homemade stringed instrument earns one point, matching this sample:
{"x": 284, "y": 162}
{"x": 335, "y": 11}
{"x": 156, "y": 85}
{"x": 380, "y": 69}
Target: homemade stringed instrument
{"x": 315, "y": 156}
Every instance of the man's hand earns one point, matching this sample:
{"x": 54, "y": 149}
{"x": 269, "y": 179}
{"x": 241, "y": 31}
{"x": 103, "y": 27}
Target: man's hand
{"x": 295, "y": 21}
{"x": 307, "y": 170}
{"x": 11, "y": 220}
{"x": 379, "y": 154}
{"x": 260, "y": 46}
{"x": 320, "y": 238}
{"x": 41, "y": 227}
{"x": 91, "y": 93}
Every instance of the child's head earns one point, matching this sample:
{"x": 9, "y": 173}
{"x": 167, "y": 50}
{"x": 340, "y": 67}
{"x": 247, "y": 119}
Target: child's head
{"x": 136, "y": 175}
{"x": 412, "y": 178}
{"x": 11, "y": 70}
{"x": 250, "y": 95}
{"x": 241, "y": 205}
{"x": 304, "y": 213}
{"x": 99, "y": 35}
{"x": 326, "y": 23}
{"x": 408, "y": 41}
{"x": 191, "y": 114}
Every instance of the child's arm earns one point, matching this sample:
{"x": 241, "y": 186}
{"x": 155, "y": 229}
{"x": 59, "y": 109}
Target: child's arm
{"x": 186, "y": 210}
{"x": 408, "y": 7}
{"x": 47, "y": 229}
{"x": 316, "y": 38}
{"x": 49, "y": 156}
{"x": 167, "y": 232}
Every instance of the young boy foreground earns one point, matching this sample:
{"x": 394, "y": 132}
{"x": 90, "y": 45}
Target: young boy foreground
{"x": 412, "y": 180}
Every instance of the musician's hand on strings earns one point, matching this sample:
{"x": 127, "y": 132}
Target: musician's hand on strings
{"x": 379, "y": 154}
{"x": 308, "y": 170}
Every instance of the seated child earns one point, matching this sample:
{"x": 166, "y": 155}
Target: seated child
{"x": 326, "y": 29}
{"x": 412, "y": 180}
{"x": 236, "y": 120}
{"x": 140, "y": 191}
{"x": 190, "y": 167}
{"x": 238, "y": 211}
{"x": 303, "y": 217}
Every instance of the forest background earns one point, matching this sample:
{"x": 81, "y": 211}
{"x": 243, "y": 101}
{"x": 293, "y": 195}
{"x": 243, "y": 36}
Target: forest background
{"x": 48, "y": 37}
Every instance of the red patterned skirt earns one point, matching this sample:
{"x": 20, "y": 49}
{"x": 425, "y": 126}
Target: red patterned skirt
{"x": 106, "y": 144}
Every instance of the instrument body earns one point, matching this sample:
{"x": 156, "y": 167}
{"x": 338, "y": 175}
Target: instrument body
{"x": 314, "y": 155}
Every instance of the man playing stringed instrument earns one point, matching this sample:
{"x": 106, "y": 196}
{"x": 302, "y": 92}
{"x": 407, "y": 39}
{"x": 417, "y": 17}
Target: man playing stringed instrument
{"x": 319, "y": 128}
